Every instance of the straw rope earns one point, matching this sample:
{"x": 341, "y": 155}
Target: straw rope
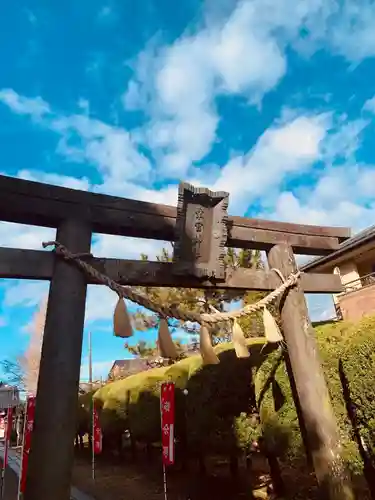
{"x": 171, "y": 311}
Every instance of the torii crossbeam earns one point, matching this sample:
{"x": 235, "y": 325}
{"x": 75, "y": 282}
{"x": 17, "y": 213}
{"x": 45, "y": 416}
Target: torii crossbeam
{"x": 200, "y": 228}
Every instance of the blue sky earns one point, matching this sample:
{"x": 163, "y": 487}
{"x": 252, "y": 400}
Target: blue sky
{"x": 272, "y": 101}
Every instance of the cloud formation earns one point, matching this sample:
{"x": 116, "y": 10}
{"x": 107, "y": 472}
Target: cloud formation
{"x": 303, "y": 166}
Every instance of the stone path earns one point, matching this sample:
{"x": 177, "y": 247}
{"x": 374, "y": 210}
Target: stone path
{"x": 14, "y": 463}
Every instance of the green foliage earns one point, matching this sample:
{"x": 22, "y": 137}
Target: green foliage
{"x": 190, "y": 299}
{"x": 142, "y": 349}
{"x": 84, "y": 411}
{"x": 354, "y": 344}
{"x": 219, "y": 412}
{"x": 280, "y": 425}
{"x": 13, "y": 371}
{"x": 147, "y": 350}
{"x": 217, "y": 397}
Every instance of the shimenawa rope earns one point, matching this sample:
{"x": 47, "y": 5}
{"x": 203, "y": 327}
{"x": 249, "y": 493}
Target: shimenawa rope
{"x": 172, "y": 312}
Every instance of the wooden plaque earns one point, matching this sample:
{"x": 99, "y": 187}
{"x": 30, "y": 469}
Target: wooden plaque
{"x": 201, "y": 232}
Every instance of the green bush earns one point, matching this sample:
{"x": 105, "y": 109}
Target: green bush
{"x": 217, "y": 395}
{"x": 216, "y": 415}
{"x": 84, "y": 415}
{"x": 354, "y": 344}
{"x": 220, "y": 400}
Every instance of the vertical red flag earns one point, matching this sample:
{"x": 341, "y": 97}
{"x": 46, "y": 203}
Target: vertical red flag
{"x": 97, "y": 432}
{"x": 28, "y": 429}
{"x": 167, "y": 409}
{"x": 8, "y": 433}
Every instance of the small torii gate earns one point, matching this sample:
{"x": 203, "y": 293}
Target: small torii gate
{"x": 200, "y": 228}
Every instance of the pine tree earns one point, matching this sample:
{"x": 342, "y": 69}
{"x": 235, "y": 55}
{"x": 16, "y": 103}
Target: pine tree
{"x": 199, "y": 300}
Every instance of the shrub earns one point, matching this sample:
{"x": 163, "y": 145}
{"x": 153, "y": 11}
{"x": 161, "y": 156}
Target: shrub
{"x": 217, "y": 395}
{"x": 217, "y": 413}
{"x": 354, "y": 344}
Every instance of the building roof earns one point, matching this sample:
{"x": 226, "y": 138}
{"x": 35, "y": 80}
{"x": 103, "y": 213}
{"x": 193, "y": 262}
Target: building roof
{"x": 135, "y": 364}
{"x": 85, "y": 387}
{"x": 356, "y": 241}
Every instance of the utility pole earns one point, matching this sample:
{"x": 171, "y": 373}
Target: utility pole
{"x": 90, "y": 361}
{"x": 92, "y": 409}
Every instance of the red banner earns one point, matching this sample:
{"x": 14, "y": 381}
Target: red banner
{"x": 28, "y": 429}
{"x": 97, "y": 432}
{"x": 8, "y": 433}
{"x": 167, "y": 409}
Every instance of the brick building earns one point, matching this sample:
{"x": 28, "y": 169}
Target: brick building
{"x": 354, "y": 261}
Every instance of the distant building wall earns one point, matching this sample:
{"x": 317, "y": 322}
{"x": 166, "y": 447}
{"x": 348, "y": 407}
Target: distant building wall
{"x": 358, "y": 303}
{"x": 9, "y": 396}
{"x": 349, "y": 272}
{"x": 125, "y": 367}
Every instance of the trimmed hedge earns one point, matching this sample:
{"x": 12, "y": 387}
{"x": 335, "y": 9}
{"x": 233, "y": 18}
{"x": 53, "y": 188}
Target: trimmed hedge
{"x": 217, "y": 413}
{"x": 216, "y": 396}
{"x": 354, "y": 344}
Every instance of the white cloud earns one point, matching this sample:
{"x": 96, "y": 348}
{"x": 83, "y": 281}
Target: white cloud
{"x": 35, "y": 107}
{"x": 100, "y": 300}
{"x": 166, "y": 195}
{"x": 321, "y": 307}
{"x": 25, "y": 293}
{"x": 55, "y": 179}
{"x": 100, "y": 303}
{"x": 341, "y": 197}
{"x": 100, "y": 369}
{"x": 370, "y": 105}
{"x": 22, "y": 236}
{"x": 284, "y": 149}
{"x": 132, "y": 98}
{"x": 84, "y": 104}
{"x": 177, "y": 87}
{"x": 344, "y": 139}
{"x": 243, "y": 53}
{"x": 342, "y": 193}
{"x": 126, "y": 248}
{"x": 112, "y": 150}
{"x": 182, "y": 81}
{"x": 353, "y": 35}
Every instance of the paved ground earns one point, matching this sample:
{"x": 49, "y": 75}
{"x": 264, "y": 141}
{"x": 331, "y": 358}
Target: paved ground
{"x": 11, "y": 480}
{"x": 11, "y": 485}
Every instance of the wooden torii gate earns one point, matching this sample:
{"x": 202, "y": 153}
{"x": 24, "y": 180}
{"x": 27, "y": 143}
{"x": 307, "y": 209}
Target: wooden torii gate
{"x": 200, "y": 228}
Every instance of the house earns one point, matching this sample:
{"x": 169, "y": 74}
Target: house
{"x": 354, "y": 261}
{"x": 85, "y": 387}
{"x": 124, "y": 367}
{"x": 9, "y": 396}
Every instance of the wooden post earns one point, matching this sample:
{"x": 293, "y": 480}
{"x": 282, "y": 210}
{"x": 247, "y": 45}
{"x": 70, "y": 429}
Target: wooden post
{"x": 52, "y": 448}
{"x": 320, "y": 423}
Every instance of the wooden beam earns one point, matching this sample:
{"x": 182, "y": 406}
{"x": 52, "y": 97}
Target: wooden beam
{"x": 318, "y": 417}
{"x": 342, "y": 233}
{"x": 39, "y": 204}
{"x": 263, "y": 239}
{"x": 52, "y": 448}
{"x": 38, "y": 264}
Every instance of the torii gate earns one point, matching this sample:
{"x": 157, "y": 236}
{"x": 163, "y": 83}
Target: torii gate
{"x": 200, "y": 228}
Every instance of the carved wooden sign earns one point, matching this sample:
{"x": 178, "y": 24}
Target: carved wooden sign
{"x": 201, "y": 232}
